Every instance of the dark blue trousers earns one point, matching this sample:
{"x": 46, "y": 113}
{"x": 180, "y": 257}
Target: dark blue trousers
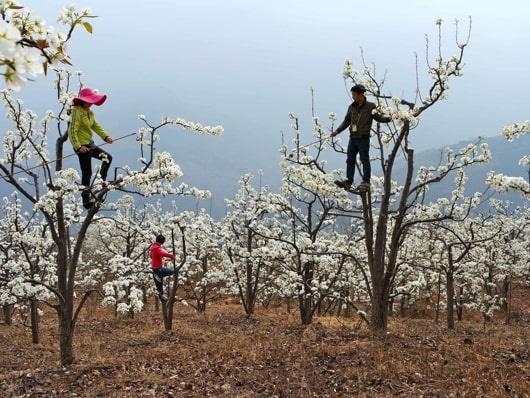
{"x": 158, "y": 276}
{"x": 361, "y": 146}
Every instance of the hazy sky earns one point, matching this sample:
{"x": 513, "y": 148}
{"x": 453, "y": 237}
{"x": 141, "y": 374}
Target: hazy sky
{"x": 254, "y": 61}
{"x": 245, "y": 64}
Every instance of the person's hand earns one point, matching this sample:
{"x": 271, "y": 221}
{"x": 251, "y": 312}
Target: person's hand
{"x": 83, "y": 149}
{"x": 334, "y": 134}
{"x": 109, "y": 140}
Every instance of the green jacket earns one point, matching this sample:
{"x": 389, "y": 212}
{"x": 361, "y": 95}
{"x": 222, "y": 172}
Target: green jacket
{"x": 362, "y": 117}
{"x": 82, "y": 123}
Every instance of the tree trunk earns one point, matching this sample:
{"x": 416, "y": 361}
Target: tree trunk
{"x": 34, "y": 322}
{"x": 8, "y": 312}
{"x": 250, "y": 296}
{"x": 439, "y": 289}
{"x": 144, "y": 299}
{"x": 201, "y": 307}
{"x": 306, "y": 313}
{"x": 379, "y": 301}
{"x": 450, "y": 300}
{"x": 66, "y": 333}
{"x": 460, "y": 305}
{"x": 508, "y": 301}
{"x": 402, "y": 306}
{"x": 379, "y": 314}
{"x": 168, "y": 320}
{"x": 305, "y": 297}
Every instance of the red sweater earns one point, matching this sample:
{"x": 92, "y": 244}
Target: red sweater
{"x": 157, "y": 254}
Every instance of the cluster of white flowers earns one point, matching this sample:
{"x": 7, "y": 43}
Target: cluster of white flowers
{"x": 27, "y": 44}
{"x": 502, "y": 183}
{"x": 398, "y": 113}
{"x": 515, "y": 130}
{"x": 195, "y": 127}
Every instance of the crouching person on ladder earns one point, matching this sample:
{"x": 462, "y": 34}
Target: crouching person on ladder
{"x": 82, "y": 123}
{"x": 157, "y": 254}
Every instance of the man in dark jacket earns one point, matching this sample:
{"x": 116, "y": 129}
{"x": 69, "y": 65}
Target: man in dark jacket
{"x": 359, "y": 119}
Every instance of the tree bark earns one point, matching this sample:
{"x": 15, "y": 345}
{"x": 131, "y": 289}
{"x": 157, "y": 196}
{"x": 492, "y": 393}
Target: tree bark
{"x": 450, "y": 300}
{"x": 379, "y": 314}
{"x": 306, "y": 295}
{"x": 8, "y": 312}
{"x": 460, "y": 305}
{"x": 439, "y": 292}
{"x": 66, "y": 333}
{"x": 34, "y": 321}
{"x": 508, "y": 300}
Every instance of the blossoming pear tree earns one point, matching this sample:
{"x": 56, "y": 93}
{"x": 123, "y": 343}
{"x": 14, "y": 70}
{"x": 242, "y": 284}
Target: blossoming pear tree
{"x": 53, "y": 191}
{"x": 400, "y": 204}
{"x": 204, "y": 277}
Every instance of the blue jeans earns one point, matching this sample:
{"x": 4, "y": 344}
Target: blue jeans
{"x": 161, "y": 273}
{"x": 361, "y": 146}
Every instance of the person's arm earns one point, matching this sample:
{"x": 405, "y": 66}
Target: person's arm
{"x": 164, "y": 253}
{"x": 345, "y": 123}
{"x": 96, "y": 127}
{"x": 74, "y": 129}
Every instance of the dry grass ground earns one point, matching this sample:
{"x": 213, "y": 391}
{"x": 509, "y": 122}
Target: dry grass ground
{"x": 223, "y": 354}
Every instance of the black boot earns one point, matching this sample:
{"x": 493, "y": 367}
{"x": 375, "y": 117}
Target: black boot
{"x": 345, "y": 184}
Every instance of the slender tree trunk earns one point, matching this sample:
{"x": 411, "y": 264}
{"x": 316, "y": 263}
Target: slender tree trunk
{"x": 34, "y": 321}
{"x": 204, "y": 291}
{"x": 402, "y": 306}
{"x": 168, "y": 322}
{"x": 306, "y": 296}
{"x": 450, "y": 300}
{"x": 439, "y": 292}
{"x": 144, "y": 299}
{"x": 508, "y": 301}
{"x": 250, "y": 293}
{"x": 8, "y": 312}
{"x": 460, "y": 304}
{"x": 168, "y": 306}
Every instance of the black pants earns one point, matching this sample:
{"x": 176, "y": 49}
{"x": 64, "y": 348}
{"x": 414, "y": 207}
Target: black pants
{"x": 85, "y": 161}
{"x": 361, "y": 146}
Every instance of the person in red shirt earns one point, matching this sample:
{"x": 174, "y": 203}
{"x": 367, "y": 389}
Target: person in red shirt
{"x": 158, "y": 254}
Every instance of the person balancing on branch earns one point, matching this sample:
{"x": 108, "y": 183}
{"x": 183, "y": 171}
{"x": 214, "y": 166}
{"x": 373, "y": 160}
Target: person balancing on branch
{"x": 359, "y": 119}
{"x": 157, "y": 254}
{"x": 82, "y": 123}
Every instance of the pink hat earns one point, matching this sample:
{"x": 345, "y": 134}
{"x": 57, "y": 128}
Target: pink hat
{"x": 91, "y": 96}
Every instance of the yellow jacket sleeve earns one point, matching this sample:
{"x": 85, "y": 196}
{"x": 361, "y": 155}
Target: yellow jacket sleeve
{"x": 96, "y": 127}
{"x": 75, "y": 128}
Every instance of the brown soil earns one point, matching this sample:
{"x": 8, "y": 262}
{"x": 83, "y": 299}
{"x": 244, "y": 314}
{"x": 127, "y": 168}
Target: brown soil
{"x": 223, "y": 354}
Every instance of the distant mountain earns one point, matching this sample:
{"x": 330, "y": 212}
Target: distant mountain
{"x": 216, "y": 163}
{"x": 505, "y": 159}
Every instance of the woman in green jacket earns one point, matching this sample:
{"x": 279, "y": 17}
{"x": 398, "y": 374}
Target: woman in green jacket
{"x": 82, "y": 124}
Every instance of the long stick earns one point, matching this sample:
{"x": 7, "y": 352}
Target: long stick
{"x": 64, "y": 157}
